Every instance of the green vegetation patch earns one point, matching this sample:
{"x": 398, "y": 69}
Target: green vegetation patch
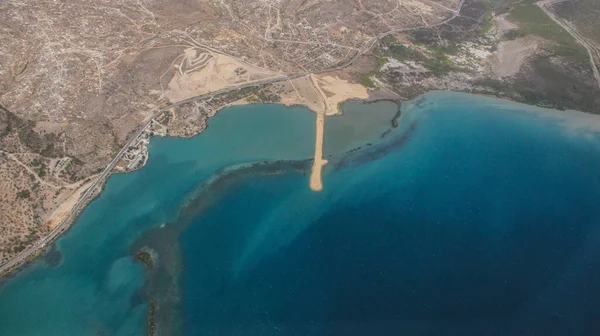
{"x": 381, "y": 60}
{"x": 267, "y": 97}
{"x": 256, "y": 94}
{"x": 41, "y": 170}
{"x": 72, "y": 169}
{"x": 16, "y": 244}
{"x": 404, "y": 53}
{"x": 23, "y": 194}
{"x": 448, "y": 48}
{"x": 514, "y": 34}
{"x": 367, "y": 80}
{"x": 584, "y": 14}
{"x": 488, "y": 22}
{"x": 547, "y": 84}
{"x": 150, "y": 28}
{"x": 5, "y": 121}
{"x": 51, "y": 151}
{"x": 439, "y": 64}
{"x": 437, "y": 61}
{"x": 533, "y": 21}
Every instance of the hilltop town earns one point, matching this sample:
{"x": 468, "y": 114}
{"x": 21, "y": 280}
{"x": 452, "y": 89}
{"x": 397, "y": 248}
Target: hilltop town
{"x": 85, "y": 85}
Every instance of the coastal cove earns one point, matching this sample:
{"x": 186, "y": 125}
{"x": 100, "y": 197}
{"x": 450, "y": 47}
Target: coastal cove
{"x": 465, "y": 214}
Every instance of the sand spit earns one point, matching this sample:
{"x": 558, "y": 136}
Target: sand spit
{"x": 204, "y": 71}
{"x": 316, "y": 182}
{"x": 323, "y": 95}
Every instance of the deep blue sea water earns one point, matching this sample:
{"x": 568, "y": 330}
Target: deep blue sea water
{"x": 475, "y": 216}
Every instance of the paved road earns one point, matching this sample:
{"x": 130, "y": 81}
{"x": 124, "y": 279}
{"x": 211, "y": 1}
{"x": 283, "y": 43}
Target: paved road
{"x": 22, "y": 257}
{"x": 592, "y": 51}
{"x": 85, "y": 197}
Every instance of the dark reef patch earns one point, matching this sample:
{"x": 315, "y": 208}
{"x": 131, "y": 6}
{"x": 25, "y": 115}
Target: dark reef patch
{"x": 163, "y": 279}
{"x": 358, "y": 156}
{"x": 53, "y": 256}
{"x": 145, "y": 256}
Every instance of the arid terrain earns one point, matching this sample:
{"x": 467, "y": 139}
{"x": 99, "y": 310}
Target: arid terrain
{"x": 85, "y": 84}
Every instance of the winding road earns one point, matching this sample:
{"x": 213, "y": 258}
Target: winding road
{"x": 88, "y": 194}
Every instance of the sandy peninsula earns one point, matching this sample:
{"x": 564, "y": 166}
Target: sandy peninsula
{"x": 322, "y": 94}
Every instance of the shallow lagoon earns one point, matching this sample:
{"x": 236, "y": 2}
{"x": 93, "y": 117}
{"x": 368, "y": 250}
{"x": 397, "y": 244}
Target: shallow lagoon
{"x": 473, "y": 216}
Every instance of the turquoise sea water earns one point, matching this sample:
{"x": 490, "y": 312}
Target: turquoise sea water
{"x": 473, "y": 216}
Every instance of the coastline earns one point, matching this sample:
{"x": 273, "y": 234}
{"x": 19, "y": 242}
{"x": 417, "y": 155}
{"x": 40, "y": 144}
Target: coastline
{"x": 325, "y": 106}
{"x": 16, "y": 261}
{"x": 31, "y": 254}
{"x": 209, "y": 188}
{"x": 66, "y": 224}
{"x": 160, "y": 237}
{"x": 327, "y": 77}
{"x": 360, "y": 157}
{"x": 12, "y": 270}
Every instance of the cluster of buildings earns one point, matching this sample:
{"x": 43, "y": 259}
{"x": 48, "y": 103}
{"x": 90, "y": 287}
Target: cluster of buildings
{"x": 137, "y": 154}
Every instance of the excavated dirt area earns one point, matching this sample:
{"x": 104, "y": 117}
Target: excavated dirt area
{"x": 202, "y": 72}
